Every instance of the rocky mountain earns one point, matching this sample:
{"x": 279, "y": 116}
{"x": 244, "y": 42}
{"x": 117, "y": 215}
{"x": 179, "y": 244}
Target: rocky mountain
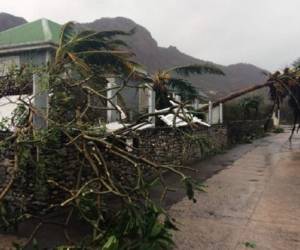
{"x": 9, "y": 21}
{"x": 153, "y": 57}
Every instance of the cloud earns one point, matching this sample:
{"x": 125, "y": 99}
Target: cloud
{"x": 262, "y": 32}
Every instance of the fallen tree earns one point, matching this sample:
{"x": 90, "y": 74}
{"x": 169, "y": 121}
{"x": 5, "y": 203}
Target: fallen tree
{"x": 72, "y": 164}
{"x": 281, "y": 85}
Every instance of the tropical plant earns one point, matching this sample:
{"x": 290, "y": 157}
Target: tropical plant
{"x": 102, "y": 168}
{"x": 250, "y": 103}
{"x": 93, "y": 52}
{"x": 93, "y": 57}
{"x": 296, "y": 63}
{"x": 166, "y": 81}
{"x": 287, "y": 84}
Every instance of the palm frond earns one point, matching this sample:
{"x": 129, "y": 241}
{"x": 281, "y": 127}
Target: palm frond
{"x": 90, "y": 35}
{"x": 110, "y": 52}
{"x": 94, "y": 51}
{"x": 113, "y": 33}
{"x": 67, "y": 33}
{"x": 78, "y": 61}
{"x": 196, "y": 69}
{"x": 119, "y": 43}
{"x": 184, "y": 88}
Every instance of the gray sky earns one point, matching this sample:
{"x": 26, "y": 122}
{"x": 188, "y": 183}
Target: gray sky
{"x": 262, "y": 32}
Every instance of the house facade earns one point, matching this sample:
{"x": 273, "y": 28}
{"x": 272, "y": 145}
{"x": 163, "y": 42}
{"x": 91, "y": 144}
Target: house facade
{"x": 35, "y": 44}
{"x": 32, "y": 43}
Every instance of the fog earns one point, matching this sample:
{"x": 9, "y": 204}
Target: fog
{"x": 261, "y": 32}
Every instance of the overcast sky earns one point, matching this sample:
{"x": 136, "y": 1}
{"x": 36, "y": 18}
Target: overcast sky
{"x": 262, "y": 32}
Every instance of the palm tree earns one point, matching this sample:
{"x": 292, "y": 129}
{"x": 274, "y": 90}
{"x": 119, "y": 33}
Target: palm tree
{"x": 287, "y": 84}
{"x": 91, "y": 55}
{"x": 239, "y": 93}
{"x": 90, "y": 51}
{"x": 250, "y": 103}
{"x": 165, "y": 81}
{"x": 281, "y": 85}
{"x": 296, "y": 63}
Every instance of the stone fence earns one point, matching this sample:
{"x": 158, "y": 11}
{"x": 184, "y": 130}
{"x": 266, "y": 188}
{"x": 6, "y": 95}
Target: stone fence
{"x": 160, "y": 145}
{"x": 245, "y": 131}
{"x": 180, "y": 146}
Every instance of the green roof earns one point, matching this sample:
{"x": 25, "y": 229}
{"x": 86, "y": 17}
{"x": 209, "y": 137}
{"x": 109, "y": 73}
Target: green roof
{"x": 40, "y": 31}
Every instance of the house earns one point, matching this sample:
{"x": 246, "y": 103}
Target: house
{"x": 35, "y": 44}
{"x": 32, "y": 43}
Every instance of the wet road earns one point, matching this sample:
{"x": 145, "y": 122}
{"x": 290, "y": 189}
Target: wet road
{"x": 252, "y": 204}
{"x": 253, "y": 199}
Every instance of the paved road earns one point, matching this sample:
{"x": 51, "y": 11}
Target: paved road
{"x": 254, "y": 199}
{"x": 253, "y": 204}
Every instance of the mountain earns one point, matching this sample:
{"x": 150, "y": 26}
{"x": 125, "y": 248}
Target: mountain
{"x": 154, "y": 57}
{"x": 9, "y": 21}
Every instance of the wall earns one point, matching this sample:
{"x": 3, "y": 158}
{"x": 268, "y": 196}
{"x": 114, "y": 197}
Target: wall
{"x": 216, "y": 115}
{"x": 33, "y": 57}
{"x": 161, "y": 145}
{"x": 130, "y": 97}
{"x": 178, "y": 146}
{"x": 247, "y": 130}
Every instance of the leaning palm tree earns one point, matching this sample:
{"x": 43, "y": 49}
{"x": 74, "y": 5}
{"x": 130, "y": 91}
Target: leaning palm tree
{"x": 90, "y": 51}
{"x": 296, "y": 63}
{"x": 94, "y": 57}
{"x": 174, "y": 79}
{"x": 287, "y": 84}
{"x": 283, "y": 85}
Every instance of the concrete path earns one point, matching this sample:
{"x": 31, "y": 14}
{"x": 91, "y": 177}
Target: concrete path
{"x": 253, "y": 204}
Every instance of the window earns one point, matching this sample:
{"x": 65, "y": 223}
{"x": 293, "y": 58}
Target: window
{"x": 6, "y": 63}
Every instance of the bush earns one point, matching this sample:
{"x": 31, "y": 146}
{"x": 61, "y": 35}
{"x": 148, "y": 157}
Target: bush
{"x": 278, "y": 130}
{"x": 246, "y": 108}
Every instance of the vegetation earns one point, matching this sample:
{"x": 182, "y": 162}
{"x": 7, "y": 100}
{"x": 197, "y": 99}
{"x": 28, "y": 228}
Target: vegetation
{"x": 296, "y": 63}
{"x": 166, "y": 81}
{"x": 70, "y": 165}
{"x": 252, "y": 107}
{"x": 250, "y": 244}
{"x": 286, "y": 85}
{"x": 278, "y": 130}
{"x": 282, "y": 85}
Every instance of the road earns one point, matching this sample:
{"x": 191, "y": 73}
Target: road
{"x": 252, "y": 198}
{"x": 254, "y": 203}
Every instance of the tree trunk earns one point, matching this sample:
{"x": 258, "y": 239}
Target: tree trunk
{"x": 238, "y": 94}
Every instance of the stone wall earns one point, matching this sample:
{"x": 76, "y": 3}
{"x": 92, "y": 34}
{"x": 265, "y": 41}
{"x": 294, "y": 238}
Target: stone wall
{"x": 245, "y": 131}
{"x": 161, "y": 145}
{"x": 179, "y": 146}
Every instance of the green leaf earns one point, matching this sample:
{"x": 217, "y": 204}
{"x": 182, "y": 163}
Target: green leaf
{"x": 65, "y": 247}
{"x": 111, "y": 244}
{"x": 199, "y": 69}
{"x": 250, "y": 244}
{"x": 199, "y": 186}
{"x": 156, "y": 229}
{"x": 35, "y": 244}
{"x": 189, "y": 188}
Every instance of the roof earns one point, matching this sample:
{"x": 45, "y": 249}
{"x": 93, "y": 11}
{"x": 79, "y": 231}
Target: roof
{"x": 42, "y": 31}
{"x": 177, "y": 118}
